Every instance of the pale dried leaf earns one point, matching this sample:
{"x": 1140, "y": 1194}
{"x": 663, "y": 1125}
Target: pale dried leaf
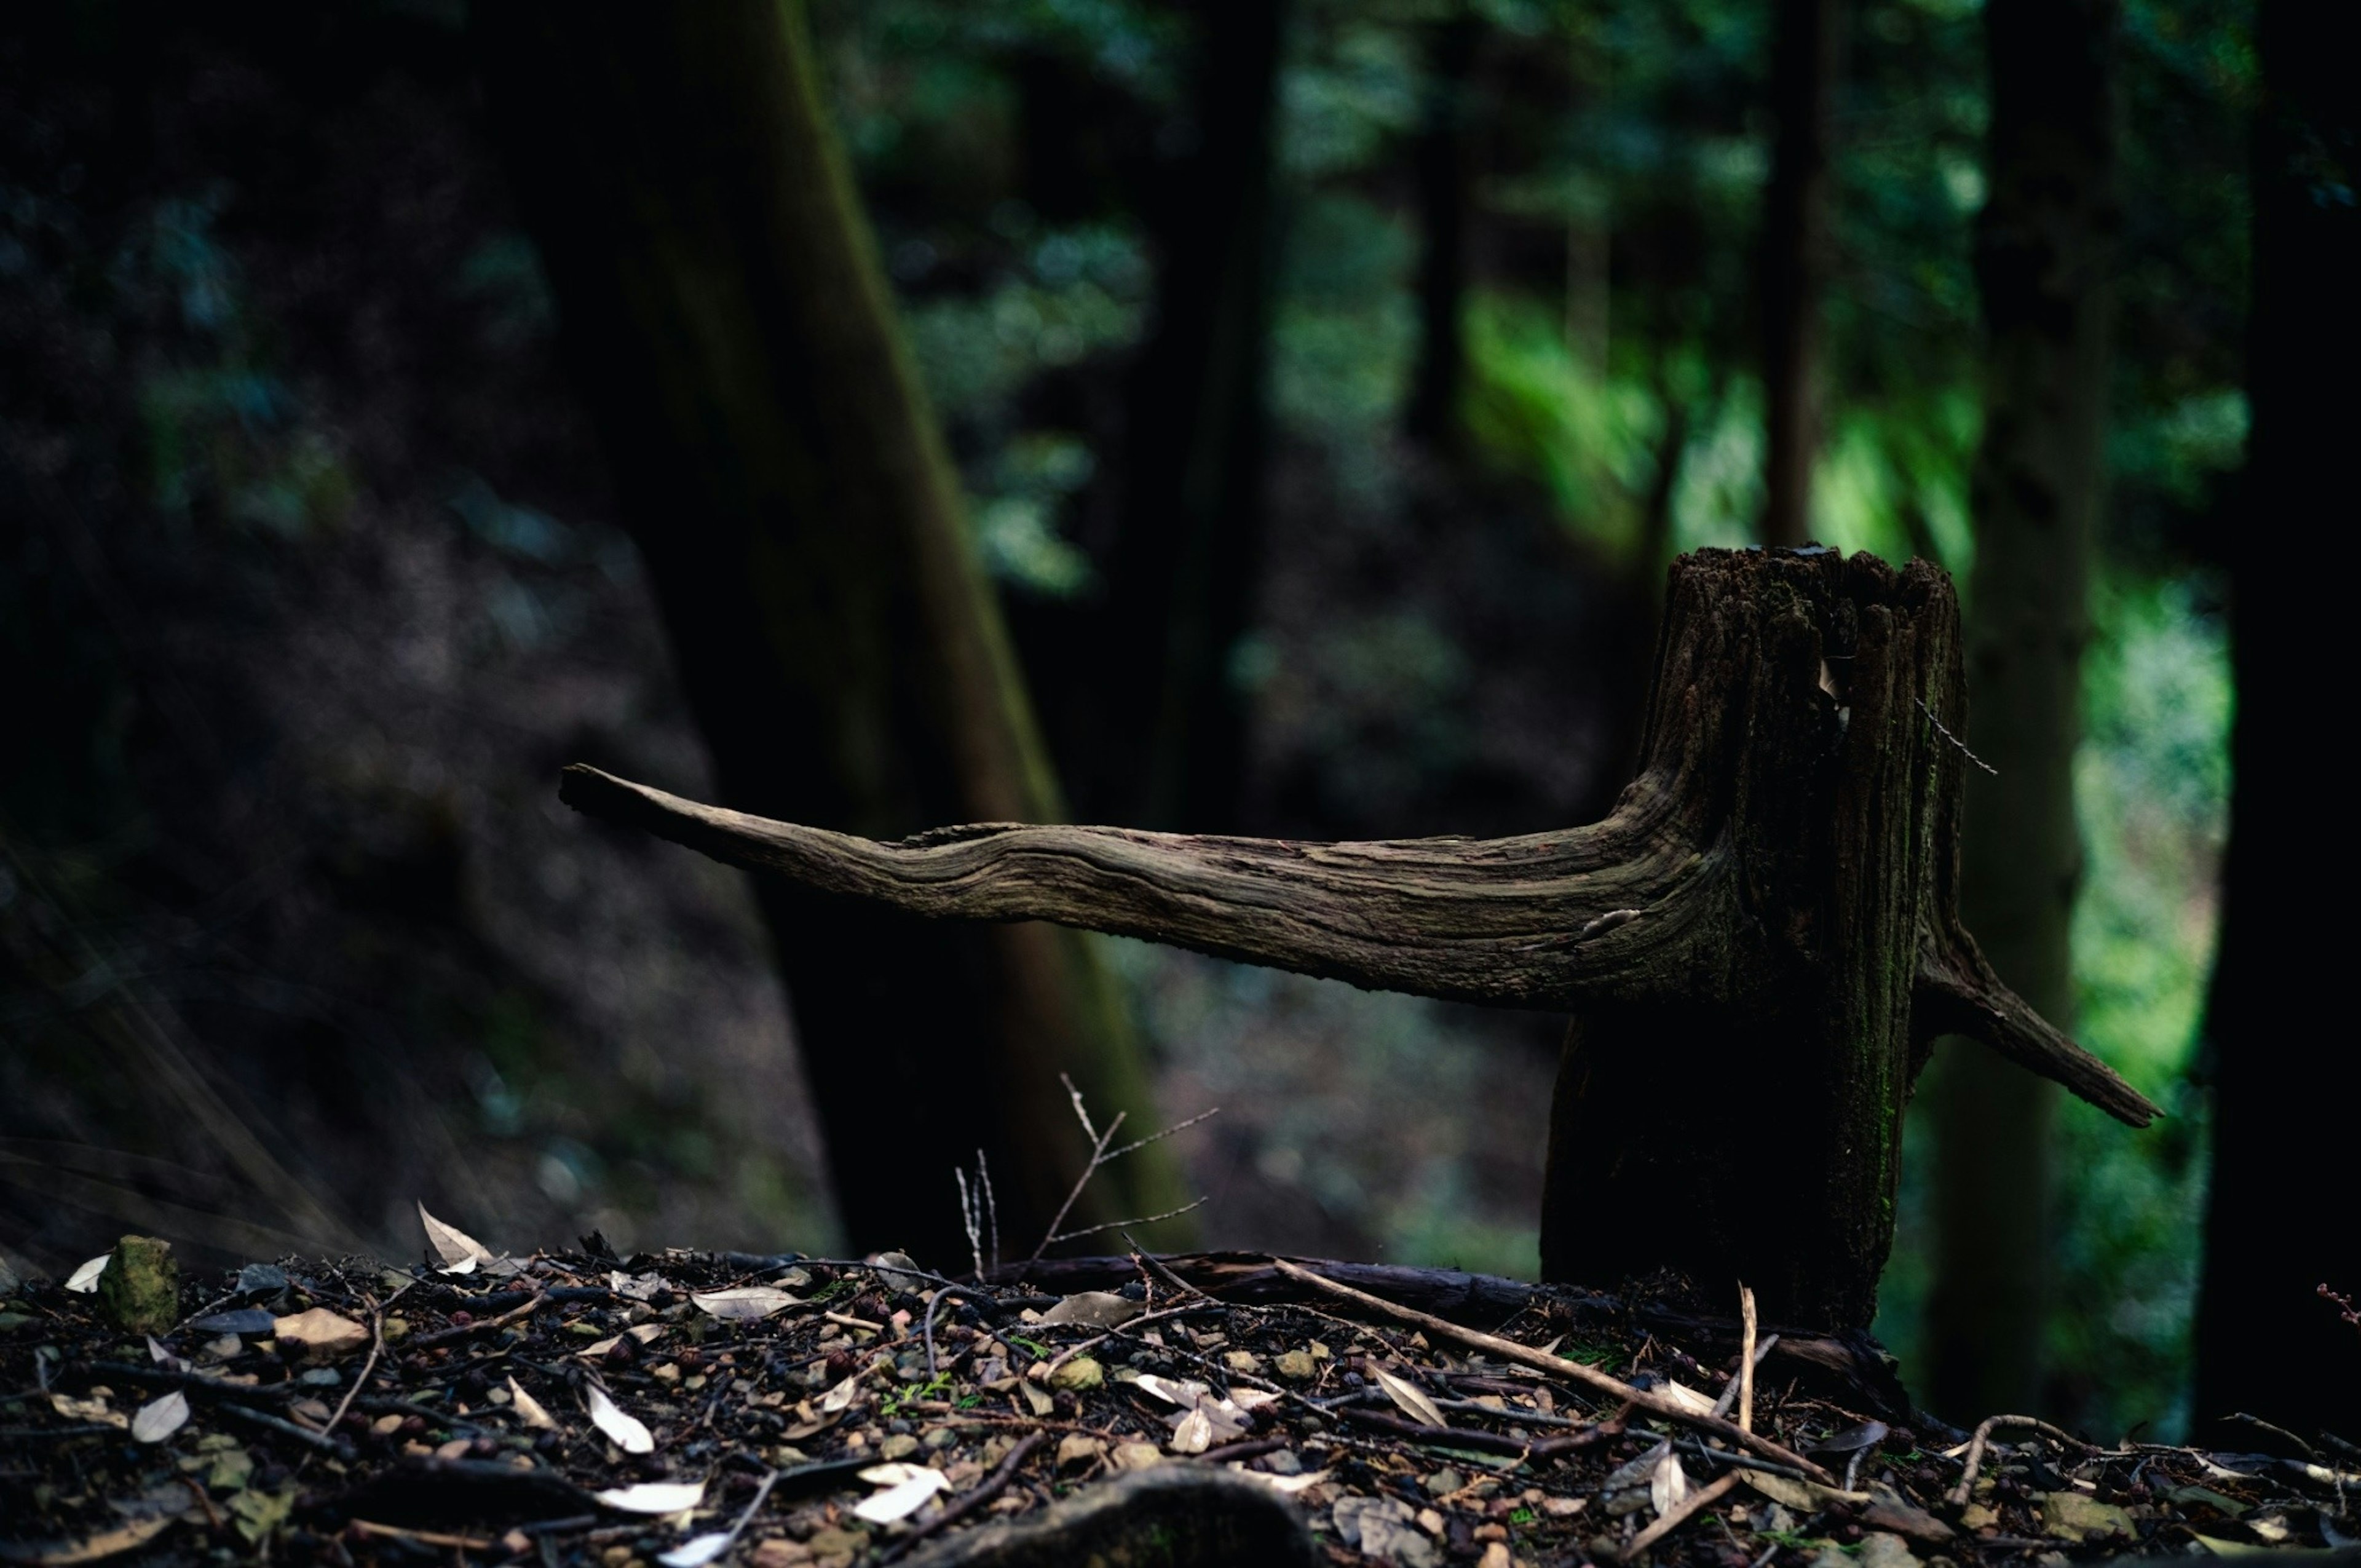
{"x": 1668, "y": 1485}
{"x": 908, "y": 1488}
{"x": 160, "y": 1418}
{"x": 94, "y": 1410}
{"x": 1687, "y": 1397}
{"x": 1184, "y": 1392}
{"x": 1095, "y": 1309}
{"x": 107, "y": 1543}
{"x": 651, "y": 1497}
{"x": 696, "y": 1551}
{"x": 749, "y": 1303}
{"x": 1409, "y": 1398}
{"x": 459, "y": 1251}
{"x": 1194, "y": 1435}
{"x": 1038, "y": 1398}
{"x": 85, "y": 1280}
{"x": 530, "y": 1410}
{"x": 1252, "y": 1398}
{"x": 838, "y": 1397}
{"x": 1291, "y": 1485}
{"x": 626, "y": 1430}
{"x": 596, "y": 1349}
{"x": 320, "y": 1332}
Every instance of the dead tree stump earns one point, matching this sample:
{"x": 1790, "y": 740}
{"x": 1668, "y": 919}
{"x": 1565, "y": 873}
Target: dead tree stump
{"x": 1760, "y": 944}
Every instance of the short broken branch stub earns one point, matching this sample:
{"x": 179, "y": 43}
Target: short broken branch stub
{"x": 1760, "y": 943}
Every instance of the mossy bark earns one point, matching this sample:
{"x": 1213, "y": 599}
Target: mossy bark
{"x": 723, "y": 303}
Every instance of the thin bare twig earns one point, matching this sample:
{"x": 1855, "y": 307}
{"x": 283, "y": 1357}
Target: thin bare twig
{"x": 1118, "y": 1224}
{"x": 1573, "y": 1371}
{"x": 1746, "y": 1361}
{"x": 1101, "y": 1156}
{"x": 1679, "y": 1514}
{"x": 1975, "y": 1458}
{"x": 992, "y": 1486}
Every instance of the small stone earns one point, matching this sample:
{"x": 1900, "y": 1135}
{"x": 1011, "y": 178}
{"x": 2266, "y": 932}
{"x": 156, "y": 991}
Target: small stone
{"x": 1136, "y": 1457}
{"x": 1496, "y": 1555}
{"x": 2071, "y": 1515}
{"x": 1430, "y": 1521}
{"x": 1076, "y": 1449}
{"x": 1884, "y": 1549}
{"x": 837, "y": 1543}
{"x": 938, "y": 1438}
{"x": 1244, "y": 1362}
{"x": 1078, "y": 1376}
{"x": 140, "y": 1290}
{"x": 1285, "y": 1461}
{"x": 900, "y": 1445}
{"x": 1566, "y": 1508}
{"x": 1979, "y": 1516}
{"x": 1443, "y": 1483}
{"x": 1297, "y": 1366}
{"x": 780, "y": 1552}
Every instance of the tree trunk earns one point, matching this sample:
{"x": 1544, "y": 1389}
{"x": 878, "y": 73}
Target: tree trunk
{"x": 1443, "y": 157}
{"x": 2044, "y": 247}
{"x": 2286, "y": 1078}
{"x": 802, "y": 527}
{"x": 1762, "y": 938}
{"x": 1794, "y": 260}
{"x": 1165, "y": 741}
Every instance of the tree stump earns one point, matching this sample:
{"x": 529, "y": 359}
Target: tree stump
{"x": 1760, "y": 943}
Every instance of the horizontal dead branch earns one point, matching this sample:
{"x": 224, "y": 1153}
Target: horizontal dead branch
{"x": 1957, "y": 992}
{"x": 1547, "y": 920}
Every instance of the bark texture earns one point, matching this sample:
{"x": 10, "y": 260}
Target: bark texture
{"x": 2044, "y": 251}
{"x": 1762, "y": 938}
{"x": 1794, "y": 259}
{"x": 2286, "y": 1078}
{"x": 842, "y": 650}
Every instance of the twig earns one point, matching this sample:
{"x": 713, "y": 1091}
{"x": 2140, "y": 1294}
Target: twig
{"x": 423, "y": 1537}
{"x": 1946, "y": 734}
{"x": 1124, "y": 1329}
{"x": 762, "y": 1495}
{"x": 1477, "y": 1438}
{"x": 1975, "y": 1458}
{"x": 1729, "y": 1387}
{"x": 337, "y": 1446}
{"x": 992, "y": 1486}
{"x": 975, "y": 1208}
{"x": 2260, "y": 1424}
{"x": 481, "y": 1325}
{"x": 1100, "y": 1156}
{"x": 1573, "y": 1371}
{"x": 1746, "y": 1360}
{"x": 1155, "y": 1265}
{"x": 1117, "y": 1225}
{"x": 934, "y": 1304}
{"x": 1679, "y": 1514}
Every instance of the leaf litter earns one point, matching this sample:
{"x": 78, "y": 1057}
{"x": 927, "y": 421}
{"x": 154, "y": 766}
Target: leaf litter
{"x": 686, "y": 1407}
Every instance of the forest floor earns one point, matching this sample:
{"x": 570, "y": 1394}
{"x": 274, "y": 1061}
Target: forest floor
{"x": 679, "y": 1408}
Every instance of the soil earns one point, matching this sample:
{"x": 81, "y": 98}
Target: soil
{"x": 353, "y": 1412}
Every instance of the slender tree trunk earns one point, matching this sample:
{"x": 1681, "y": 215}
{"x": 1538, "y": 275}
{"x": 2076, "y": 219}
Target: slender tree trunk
{"x": 2286, "y": 1077}
{"x": 1445, "y": 151}
{"x": 1794, "y": 259}
{"x": 803, "y": 529}
{"x": 2044, "y": 247}
{"x": 1168, "y": 730}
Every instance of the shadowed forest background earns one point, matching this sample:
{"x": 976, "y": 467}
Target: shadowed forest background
{"x": 1329, "y": 386}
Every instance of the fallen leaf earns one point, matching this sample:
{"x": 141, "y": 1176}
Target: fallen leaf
{"x": 459, "y": 1251}
{"x": 696, "y": 1551}
{"x": 529, "y": 1409}
{"x": 75, "y": 1410}
{"x": 160, "y": 1418}
{"x": 653, "y": 1496}
{"x": 635, "y": 1288}
{"x": 321, "y": 1332}
{"x": 258, "y": 1512}
{"x": 1194, "y": 1435}
{"x": 628, "y": 1433}
{"x": 107, "y": 1543}
{"x": 1289, "y": 1486}
{"x": 1184, "y": 1393}
{"x": 1252, "y": 1398}
{"x": 85, "y": 1280}
{"x": 1038, "y": 1397}
{"x": 1409, "y": 1398}
{"x": 1687, "y": 1397}
{"x": 750, "y": 1303}
{"x": 908, "y": 1488}
{"x": 838, "y": 1397}
{"x": 1095, "y": 1309}
{"x": 1668, "y": 1485}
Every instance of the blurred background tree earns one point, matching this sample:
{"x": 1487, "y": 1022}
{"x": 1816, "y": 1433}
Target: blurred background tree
{"x": 322, "y": 570}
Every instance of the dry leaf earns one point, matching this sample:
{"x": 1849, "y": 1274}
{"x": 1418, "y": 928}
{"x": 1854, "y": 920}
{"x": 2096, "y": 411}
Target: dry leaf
{"x": 1668, "y": 1485}
{"x": 908, "y": 1488}
{"x": 650, "y": 1496}
{"x": 1252, "y": 1398}
{"x": 320, "y": 1331}
{"x": 160, "y": 1418}
{"x": 459, "y": 1251}
{"x": 838, "y": 1397}
{"x": 696, "y": 1551}
{"x": 1288, "y": 1485}
{"x": 1687, "y": 1397}
{"x": 1038, "y": 1397}
{"x": 85, "y": 1280}
{"x": 1095, "y": 1309}
{"x": 75, "y": 1410}
{"x": 107, "y": 1543}
{"x": 1412, "y": 1400}
{"x": 750, "y": 1304}
{"x": 627, "y": 1432}
{"x": 1184, "y": 1393}
{"x": 530, "y": 1410}
{"x": 1194, "y": 1435}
